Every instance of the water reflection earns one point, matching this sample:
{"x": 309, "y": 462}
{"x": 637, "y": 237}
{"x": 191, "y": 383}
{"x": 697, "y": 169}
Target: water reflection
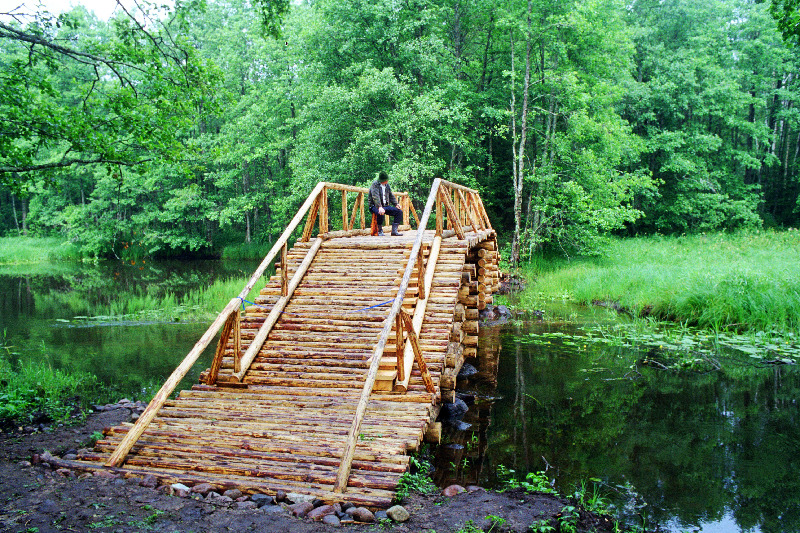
{"x": 711, "y": 451}
{"x": 38, "y": 310}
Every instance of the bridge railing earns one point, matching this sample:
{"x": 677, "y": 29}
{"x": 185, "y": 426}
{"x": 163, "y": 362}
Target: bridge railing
{"x": 465, "y": 212}
{"x": 228, "y": 319}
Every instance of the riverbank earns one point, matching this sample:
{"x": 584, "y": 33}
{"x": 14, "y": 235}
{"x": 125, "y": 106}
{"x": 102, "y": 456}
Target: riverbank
{"x": 42, "y": 498}
{"x": 743, "y": 282}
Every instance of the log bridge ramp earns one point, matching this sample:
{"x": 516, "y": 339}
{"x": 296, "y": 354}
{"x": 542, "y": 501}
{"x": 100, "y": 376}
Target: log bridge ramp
{"x": 311, "y": 389}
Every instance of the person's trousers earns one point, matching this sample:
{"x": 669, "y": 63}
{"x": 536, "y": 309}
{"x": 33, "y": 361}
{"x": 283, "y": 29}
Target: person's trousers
{"x": 394, "y": 212}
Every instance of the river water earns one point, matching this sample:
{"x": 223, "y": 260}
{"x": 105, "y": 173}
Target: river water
{"x": 699, "y": 450}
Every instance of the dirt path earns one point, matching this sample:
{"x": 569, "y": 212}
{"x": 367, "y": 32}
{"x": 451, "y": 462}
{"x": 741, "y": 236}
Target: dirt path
{"x": 39, "y": 499}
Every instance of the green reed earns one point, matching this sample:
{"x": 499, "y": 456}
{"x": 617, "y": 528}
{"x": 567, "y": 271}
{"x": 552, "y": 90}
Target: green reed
{"x": 743, "y": 282}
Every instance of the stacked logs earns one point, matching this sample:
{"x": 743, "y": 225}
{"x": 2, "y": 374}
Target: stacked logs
{"x": 480, "y": 278}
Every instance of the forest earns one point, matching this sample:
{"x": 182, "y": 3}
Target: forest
{"x": 178, "y": 131}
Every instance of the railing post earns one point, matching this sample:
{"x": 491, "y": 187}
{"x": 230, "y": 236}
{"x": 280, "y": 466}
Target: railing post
{"x": 312, "y": 217}
{"x": 284, "y": 270}
{"x": 219, "y": 353}
{"x": 363, "y": 226}
{"x": 323, "y": 212}
{"x": 439, "y": 220}
{"x": 414, "y": 341}
{"x": 344, "y": 211}
{"x": 398, "y": 340}
{"x": 421, "y": 274}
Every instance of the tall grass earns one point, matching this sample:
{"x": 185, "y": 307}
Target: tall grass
{"x": 33, "y": 393}
{"x": 744, "y": 281}
{"x": 197, "y": 304}
{"x": 18, "y": 250}
{"x": 245, "y": 251}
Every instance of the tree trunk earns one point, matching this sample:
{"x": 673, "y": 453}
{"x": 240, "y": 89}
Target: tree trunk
{"x": 519, "y": 152}
{"x": 14, "y": 208}
{"x": 24, "y": 216}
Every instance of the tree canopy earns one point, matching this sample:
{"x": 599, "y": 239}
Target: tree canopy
{"x": 170, "y": 130}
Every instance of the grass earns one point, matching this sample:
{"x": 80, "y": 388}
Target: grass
{"x": 741, "y": 282}
{"x": 245, "y": 251}
{"x": 198, "y": 304}
{"x": 38, "y": 393}
{"x": 25, "y": 250}
{"x": 419, "y": 481}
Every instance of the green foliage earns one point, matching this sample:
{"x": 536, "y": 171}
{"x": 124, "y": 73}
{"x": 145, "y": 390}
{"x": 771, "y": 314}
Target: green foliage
{"x": 192, "y": 132}
{"x": 533, "y": 482}
{"x": 75, "y": 92}
{"x": 24, "y": 250}
{"x": 568, "y": 519}
{"x": 787, "y": 13}
{"x": 417, "y": 482}
{"x": 592, "y": 499}
{"x": 38, "y": 393}
{"x": 740, "y": 281}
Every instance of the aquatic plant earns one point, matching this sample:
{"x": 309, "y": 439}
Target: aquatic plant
{"x": 38, "y": 393}
{"x": 417, "y": 479}
{"x": 726, "y": 282}
{"x": 533, "y": 482}
{"x": 27, "y": 250}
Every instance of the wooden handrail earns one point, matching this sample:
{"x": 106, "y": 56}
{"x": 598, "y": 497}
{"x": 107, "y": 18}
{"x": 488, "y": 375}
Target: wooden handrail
{"x": 401, "y": 385}
{"x": 318, "y": 201}
{"x": 349, "y": 448}
{"x": 124, "y": 447}
{"x": 275, "y": 313}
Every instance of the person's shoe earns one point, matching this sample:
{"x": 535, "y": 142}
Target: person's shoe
{"x": 380, "y": 231}
{"x": 395, "y": 233}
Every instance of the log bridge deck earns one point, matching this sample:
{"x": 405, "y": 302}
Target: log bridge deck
{"x": 311, "y": 389}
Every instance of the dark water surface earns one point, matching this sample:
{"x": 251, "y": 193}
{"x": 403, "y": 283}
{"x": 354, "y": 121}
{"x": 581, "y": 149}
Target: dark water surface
{"x": 704, "y": 451}
{"x": 692, "y": 451}
{"x": 59, "y": 315}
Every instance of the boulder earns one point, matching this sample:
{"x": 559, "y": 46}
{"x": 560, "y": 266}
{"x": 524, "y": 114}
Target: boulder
{"x": 233, "y": 493}
{"x": 262, "y": 499}
{"x": 202, "y": 488}
{"x": 453, "y": 411}
{"x": 452, "y": 490}
{"x": 466, "y": 372}
{"x": 331, "y": 520}
{"x": 301, "y": 509}
{"x": 398, "y": 513}
{"x": 318, "y": 513}
{"x": 246, "y": 505}
{"x": 362, "y": 514}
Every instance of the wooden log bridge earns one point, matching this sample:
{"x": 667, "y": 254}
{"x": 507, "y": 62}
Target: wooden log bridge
{"x": 337, "y": 369}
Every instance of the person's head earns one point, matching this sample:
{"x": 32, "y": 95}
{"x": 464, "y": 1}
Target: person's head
{"x": 383, "y": 177}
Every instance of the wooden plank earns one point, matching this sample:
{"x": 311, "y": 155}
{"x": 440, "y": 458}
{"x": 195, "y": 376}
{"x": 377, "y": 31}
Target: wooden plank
{"x": 412, "y": 339}
{"x": 452, "y": 216}
{"x": 419, "y": 312}
{"x": 273, "y": 316}
{"x": 347, "y": 454}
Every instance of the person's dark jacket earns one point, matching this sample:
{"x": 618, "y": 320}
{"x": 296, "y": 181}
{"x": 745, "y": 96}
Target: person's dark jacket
{"x": 375, "y": 195}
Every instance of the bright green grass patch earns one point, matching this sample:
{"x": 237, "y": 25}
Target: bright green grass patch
{"x": 245, "y": 251}
{"x": 199, "y": 304}
{"x": 38, "y": 393}
{"x": 17, "y": 250}
{"x": 743, "y": 282}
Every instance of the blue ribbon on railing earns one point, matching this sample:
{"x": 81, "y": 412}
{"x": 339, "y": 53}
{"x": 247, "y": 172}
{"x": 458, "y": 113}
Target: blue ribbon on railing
{"x": 310, "y": 314}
